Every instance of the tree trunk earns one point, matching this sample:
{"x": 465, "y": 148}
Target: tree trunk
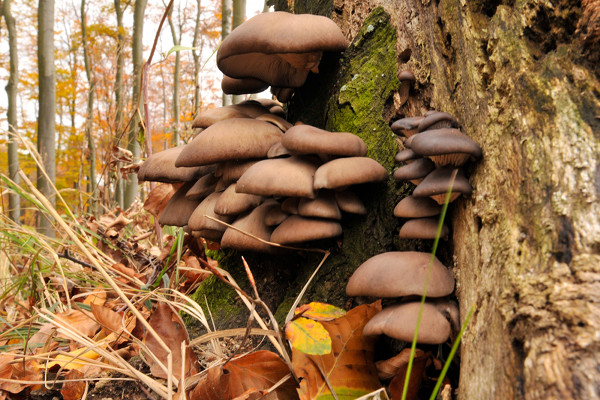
{"x": 14, "y": 200}
{"x": 89, "y": 116}
{"x": 176, "y": 77}
{"x": 239, "y": 16}
{"x": 120, "y": 104}
{"x": 131, "y": 188}
{"x": 226, "y": 15}
{"x": 197, "y": 55}
{"x": 47, "y": 108}
{"x": 525, "y": 249}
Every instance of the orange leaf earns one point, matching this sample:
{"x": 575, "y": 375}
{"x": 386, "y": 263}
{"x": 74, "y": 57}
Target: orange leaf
{"x": 73, "y": 390}
{"x": 169, "y": 326}
{"x": 246, "y": 377}
{"x": 349, "y": 367}
{"x": 98, "y": 296}
{"x": 320, "y": 311}
{"x": 417, "y": 374}
{"x": 158, "y": 198}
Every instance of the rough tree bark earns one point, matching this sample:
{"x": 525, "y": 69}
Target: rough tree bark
{"x": 14, "y": 200}
{"x": 119, "y": 103}
{"x": 46, "y": 134}
{"x": 176, "y": 75}
{"x": 131, "y": 186}
{"x": 89, "y": 115}
{"x": 523, "y": 82}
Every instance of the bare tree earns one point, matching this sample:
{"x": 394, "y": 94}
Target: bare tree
{"x": 120, "y": 104}
{"x": 226, "y": 21}
{"x": 176, "y": 73}
{"x": 197, "y": 44}
{"x": 239, "y": 16}
{"x": 47, "y": 108}
{"x": 89, "y": 116}
{"x": 131, "y": 188}
{"x": 14, "y": 201}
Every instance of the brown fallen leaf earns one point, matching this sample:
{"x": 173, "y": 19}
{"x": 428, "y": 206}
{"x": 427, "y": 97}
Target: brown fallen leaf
{"x": 112, "y": 322}
{"x": 169, "y": 326}
{"x": 387, "y": 369}
{"x": 159, "y": 197}
{"x": 349, "y": 367}
{"x": 417, "y": 375}
{"x": 246, "y": 377}
{"x": 17, "y": 370}
{"x": 73, "y": 389}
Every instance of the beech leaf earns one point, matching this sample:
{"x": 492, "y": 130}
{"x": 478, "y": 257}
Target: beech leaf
{"x": 349, "y": 368}
{"x": 320, "y": 311}
{"x": 308, "y": 336}
{"x": 246, "y": 377}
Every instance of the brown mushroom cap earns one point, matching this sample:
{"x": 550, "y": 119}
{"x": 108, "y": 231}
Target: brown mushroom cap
{"x": 297, "y": 229}
{"x": 323, "y": 206}
{"x": 407, "y": 156}
{"x": 231, "y": 171}
{"x": 202, "y": 188}
{"x": 437, "y": 120}
{"x": 278, "y": 47}
{"x": 306, "y": 139}
{"x": 437, "y": 183}
{"x": 349, "y": 202}
{"x": 198, "y": 220}
{"x": 400, "y": 273}
{"x": 234, "y": 203}
{"x": 446, "y": 146}
{"x": 231, "y": 139}
{"x": 276, "y": 120}
{"x": 290, "y": 205}
{"x": 291, "y": 176}
{"x": 178, "y": 209}
{"x": 160, "y": 167}
{"x": 346, "y": 171}
{"x": 275, "y": 216}
{"x": 423, "y": 228}
{"x": 417, "y": 207}
{"x": 414, "y": 171}
{"x": 253, "y": 223}
{"x": 400, "y": 322}
{"x": 406, "y": 126}
{"x": 211, "y": 116}
{"x": 242, "y": 85}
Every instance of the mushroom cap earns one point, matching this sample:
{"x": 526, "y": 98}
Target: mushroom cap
{"x": 253, "y": 49}
{"x": 276, "y": 120}
{"x": 437, "y": 120}
{"x": 282, "y": 94}
{"x": 417, "y": 207}
{"x": 423, "y": 228}
{"x": 349, "y": 202}
{"x": 178, "y": 209}
{"x": 160, "y": 167}
{"x": 400, "y": 273}
{"x": 406, "y": 126}
{"x": 346, "y": 171}
{"x": 234, "y": 203}
{"x": 231, "y": 85}
{"x": 202, "y": 188}
{"x": 291, "y": 176}
{"x": 446, "y": 146}
{"x": 253, "y": 223}
{"x": 231, "y": 171}
{"x": 415, "y": 170}
{"x": 323, "y": 206}
{"x": 253, "y": 108}
{"x": 198, "y": 220}
{"x": 211, "y": 116}
{"x": 297, "y": 229}
{"x": 277, "y": 151}
{"x": 406, "y": 75}
{"x": 290, "y": 205}
{"x": 406, "y": 155}
{"x": 400, "y": 322}
{"x": 437, "y": 183}
{"x": 275, "y": 216}
{"x": 230, "y": 139}
{"x": 306, "y": 139}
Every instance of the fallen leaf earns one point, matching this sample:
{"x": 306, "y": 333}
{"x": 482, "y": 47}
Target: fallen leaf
{"x": 387, "y": 369}
{"x": 246, "y": 377}
{"x": 349, "y": 368}
{"x": 98, "y": 296}
{"x": 169, "y": 326}
{"x": 73, "y": 389}
{"x": 308, "y": 336}
{"x": 320, "y": 311}
{"x": 158, "y": 198}
{"x": 417, "y": 375}
{"x": 112, "y": 322}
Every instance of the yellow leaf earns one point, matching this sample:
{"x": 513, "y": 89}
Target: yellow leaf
{"x": 308, "y": 336}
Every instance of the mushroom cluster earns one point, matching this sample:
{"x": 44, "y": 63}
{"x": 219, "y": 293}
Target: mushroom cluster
{"x": 434, "y": 150}
{"x": 276, "y": 49}
{"x": 281, "y": 183}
